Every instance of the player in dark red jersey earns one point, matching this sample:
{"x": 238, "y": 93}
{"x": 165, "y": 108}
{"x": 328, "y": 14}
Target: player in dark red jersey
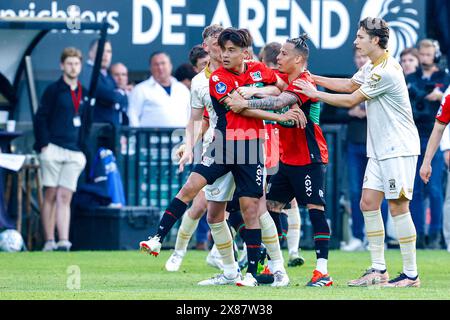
{"x": 236, "y": 148}
{"x": 304, "y": 158}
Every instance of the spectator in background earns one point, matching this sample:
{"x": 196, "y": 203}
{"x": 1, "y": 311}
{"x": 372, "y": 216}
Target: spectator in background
{"x": 426, "y": 88}
{"x": 119, "y": 72}
{"x": 409, "y": 60}
{"x": 199, "y": 58}
{"x": 161, "y": 101}
{"x": 185, "y": 73}
{"x": 110, "y": 101}
{"x": 58, "y": 126}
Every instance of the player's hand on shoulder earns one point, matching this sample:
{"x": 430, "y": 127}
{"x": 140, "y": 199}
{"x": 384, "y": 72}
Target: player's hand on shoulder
{"x": 306, "y": 88}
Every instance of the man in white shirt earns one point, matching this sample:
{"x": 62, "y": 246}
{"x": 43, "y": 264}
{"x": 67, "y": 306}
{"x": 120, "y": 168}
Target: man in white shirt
{"x": 161, "y": 101}
{"x": 393, "y": 147}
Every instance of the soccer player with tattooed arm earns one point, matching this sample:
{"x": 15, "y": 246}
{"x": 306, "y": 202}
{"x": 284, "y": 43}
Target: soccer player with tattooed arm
{"x": 302, "y": 167}
{"x": 232, "y": 133}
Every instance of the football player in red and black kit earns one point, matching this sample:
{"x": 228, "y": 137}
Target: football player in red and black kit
{"x": 303, "y": 162}
{"x": 237, "y": 147}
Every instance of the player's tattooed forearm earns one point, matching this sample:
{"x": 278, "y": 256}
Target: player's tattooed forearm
{"x": 272, "y": 103}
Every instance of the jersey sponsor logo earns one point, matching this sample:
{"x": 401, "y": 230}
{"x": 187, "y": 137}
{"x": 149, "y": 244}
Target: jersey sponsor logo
{"x": 403, "y": 19}
{"x": 256, "y": 76}
{"x": 215, "y": 78}
{"x": 221, "y": 88}
{"x": 308, "y": 185}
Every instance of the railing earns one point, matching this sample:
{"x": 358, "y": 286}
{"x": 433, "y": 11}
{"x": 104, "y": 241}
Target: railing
{"x": 149, "y": 169}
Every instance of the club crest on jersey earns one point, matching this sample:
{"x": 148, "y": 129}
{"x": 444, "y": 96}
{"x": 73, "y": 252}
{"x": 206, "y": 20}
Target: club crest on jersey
{"x": 221, "y": 88}
{"x": 256, "y": 76}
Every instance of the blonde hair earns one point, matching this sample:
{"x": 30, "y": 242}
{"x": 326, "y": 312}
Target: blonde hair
{"x": 71, "y": 52}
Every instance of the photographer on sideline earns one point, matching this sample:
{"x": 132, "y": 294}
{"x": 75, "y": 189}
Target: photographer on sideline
{"x": 426, "y": 87}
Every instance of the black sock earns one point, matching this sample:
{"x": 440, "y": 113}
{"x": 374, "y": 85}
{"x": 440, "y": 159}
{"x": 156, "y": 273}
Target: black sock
{"x": 321, "y": 232}
{"x": 253, "y": 242}
{"x": 235, "y": 220}
{"x": 284, "y": 227}
{"x": 174, "y": 211}
{"x": 277, "y": 219}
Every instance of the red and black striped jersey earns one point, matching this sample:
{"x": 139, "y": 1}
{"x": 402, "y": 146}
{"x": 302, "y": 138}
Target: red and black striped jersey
{"x": 223, "y": 82}
{"x": 304, "y": 146}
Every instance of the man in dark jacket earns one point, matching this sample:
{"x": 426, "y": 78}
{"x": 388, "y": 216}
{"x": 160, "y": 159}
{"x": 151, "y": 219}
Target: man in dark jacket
{"x": 426, "y": 87}
{"x": 111, "y": 102}
{"x": 59, "y": 125}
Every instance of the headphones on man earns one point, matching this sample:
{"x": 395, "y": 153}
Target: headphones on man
{"x": 437, "y": 51}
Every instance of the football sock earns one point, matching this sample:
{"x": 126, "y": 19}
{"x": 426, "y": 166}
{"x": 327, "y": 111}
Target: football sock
{"x": 293, "y": 234}
{"x": 406, "y": 233}
{"x": 277, "y": 219}
{"x": 270, "y": 238}
{"x": 224, "y": 243}
{"x": 375, "y": 236}
{"x": 185, "y": 231}
{"x": 173, "y": 212}
{"x": 284, "y": 227}
{"x": 253, "y": 242}
{"x": 321, "y": 238}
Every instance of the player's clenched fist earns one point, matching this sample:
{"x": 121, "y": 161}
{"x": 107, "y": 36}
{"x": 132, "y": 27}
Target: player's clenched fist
{"x": 425, "y": 172}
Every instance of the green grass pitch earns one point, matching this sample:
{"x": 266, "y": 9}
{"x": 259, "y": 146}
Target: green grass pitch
{"x": 133, "y": 275}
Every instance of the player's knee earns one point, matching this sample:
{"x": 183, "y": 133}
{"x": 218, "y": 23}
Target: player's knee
{"x": 398, "y": 206}
{"x": 188, "y": 192}
{"x": 274, "y": 206}
{"x": 50, "y": 194}
{"x": 367, "y": 204}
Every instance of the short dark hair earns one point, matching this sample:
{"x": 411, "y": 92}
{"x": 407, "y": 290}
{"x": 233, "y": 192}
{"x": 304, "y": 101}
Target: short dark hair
{"x": 300, "y": 45}
{"x": 270, "y": 52}
{"x": 239, "y": 37}
{"x": 197, "y": 52}
{"x": 376, "y": 27}
{"x": 185, "y": 71}
{"x": 156, "y": 53}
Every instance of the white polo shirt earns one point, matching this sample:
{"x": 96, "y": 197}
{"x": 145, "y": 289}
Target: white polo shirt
{"x": 391, "y": 131}
{"x": 151, "y": 106}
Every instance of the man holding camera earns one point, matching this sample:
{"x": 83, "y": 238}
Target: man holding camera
{"x": 426, "y": 87}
